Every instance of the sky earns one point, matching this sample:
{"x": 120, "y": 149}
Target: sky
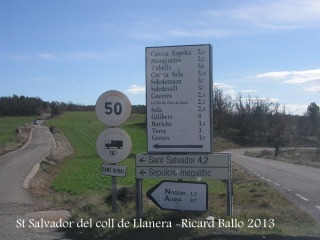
{"x": 74, "y": 50}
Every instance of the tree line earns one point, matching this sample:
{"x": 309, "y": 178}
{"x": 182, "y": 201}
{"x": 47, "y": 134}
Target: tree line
{"x": 33, "y": 106}
{"x": 245, "y": 118}
{"x": 251, "y": 118}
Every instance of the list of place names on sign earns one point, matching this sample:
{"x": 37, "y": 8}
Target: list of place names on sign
{"x": 179, "y": 95}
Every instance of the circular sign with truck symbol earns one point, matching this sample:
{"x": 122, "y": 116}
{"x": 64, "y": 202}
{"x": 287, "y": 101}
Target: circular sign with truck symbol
{"x": 114, "y": 145}
{"x": 113, "y": 108}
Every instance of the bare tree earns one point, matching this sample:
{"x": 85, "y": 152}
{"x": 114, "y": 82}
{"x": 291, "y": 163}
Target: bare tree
{"x": 222, "y": 107}
{"x": 280, "y": 130}
{"x": 245, "y": 107}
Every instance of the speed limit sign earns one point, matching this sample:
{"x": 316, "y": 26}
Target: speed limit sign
{"x": 113, "y": 108}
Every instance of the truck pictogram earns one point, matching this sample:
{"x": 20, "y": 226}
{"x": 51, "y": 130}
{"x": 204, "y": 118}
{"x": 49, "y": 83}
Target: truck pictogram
{"x": 114, "y": 144}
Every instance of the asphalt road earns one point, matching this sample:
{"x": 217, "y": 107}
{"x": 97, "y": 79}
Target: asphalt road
{"x": 15, "y": 200}
{"x": 301, "y": 184}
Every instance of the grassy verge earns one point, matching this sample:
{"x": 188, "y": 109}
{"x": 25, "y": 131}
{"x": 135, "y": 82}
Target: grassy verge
{"x": 80, "y": 187}
{"x": 258, "y": 210}
{"x": 9, "y": 139}
{"x": 307, "y": 157}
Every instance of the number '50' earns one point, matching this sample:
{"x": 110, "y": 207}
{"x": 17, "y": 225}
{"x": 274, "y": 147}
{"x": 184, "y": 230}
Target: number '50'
{"x": 110, "y": 108}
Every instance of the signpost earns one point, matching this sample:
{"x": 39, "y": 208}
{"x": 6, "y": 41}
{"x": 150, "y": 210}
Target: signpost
{"x": 179, "y": 95}
{"x": 184, "y": 196}
{"x": 113, "y": 145}
{"x": 179, "y": 130}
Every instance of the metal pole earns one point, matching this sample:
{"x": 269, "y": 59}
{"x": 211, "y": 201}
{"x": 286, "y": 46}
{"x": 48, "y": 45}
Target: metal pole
{"x": 139, "y": 212}
{"x": 229, "y": 198}
{"x": 114, "y": 194}
{"x": 230, "y": 190}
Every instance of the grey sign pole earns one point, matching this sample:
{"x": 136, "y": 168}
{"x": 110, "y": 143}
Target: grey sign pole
{"x": 139, "y": 212}
{"x": 229, "y": 198}
{"x": 230, "y": 191}
{"x": 114, "y": 194}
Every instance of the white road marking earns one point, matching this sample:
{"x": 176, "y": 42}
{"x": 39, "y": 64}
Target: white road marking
{"x": 318, "y": 207}
{"x": 302, "y": 197}
{"x": 288, "y": 189}
{"x": 249, "y": 168}
{"x": 276, "y": 183}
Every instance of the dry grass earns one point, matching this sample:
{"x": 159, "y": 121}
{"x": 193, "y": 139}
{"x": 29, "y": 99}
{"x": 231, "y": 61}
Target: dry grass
{"x": 307, "y": 157}
{"x": 254, "y": 201}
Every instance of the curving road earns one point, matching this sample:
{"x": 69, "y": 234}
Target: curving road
{"x": 15, "y": 201}
{"x": 301, "y": 184}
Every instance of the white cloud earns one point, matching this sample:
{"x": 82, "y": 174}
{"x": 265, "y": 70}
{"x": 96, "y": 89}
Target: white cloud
{"x": 222, "y": 85}
{"x": 244, "y": 17}
{"x": 81, "y": 55}
{"x": 135, "y": 89}
{"x": 227, "y": 89}
{"x": 85, "y": 56}
{"x": 47, "y": 56}
{"x": 280, "y": 14}
{"x": 274, "y": 75}
{"x": 312, "y": 88}
{"x": 42, "y": 79}
{"x": 202, "y": 33}
{"x": 257, "y": 16}
{"x": 274, "y": 100}
{"x": 249, "y": 91}
{"x": 296, "y": 109}
{"x": 309, "y": 79}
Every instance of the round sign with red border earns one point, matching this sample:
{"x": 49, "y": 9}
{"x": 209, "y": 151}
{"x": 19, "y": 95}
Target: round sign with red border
{"x": 113, "y": 108}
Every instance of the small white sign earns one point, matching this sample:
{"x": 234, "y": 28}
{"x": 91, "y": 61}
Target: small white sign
{"x": 184, "y": 196}
{"x": 113, "y": 108}
{"x": 113, "y": 170}
{"x": 114, "y": 145}
{"x": 195, "y": 173}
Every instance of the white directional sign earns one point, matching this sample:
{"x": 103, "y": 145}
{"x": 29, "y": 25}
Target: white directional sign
{"x": 188, "y": 166}
{"x": 179, "y": 96}
{"x": 113, "y": 108}
{"x": 198, "y": 174}
{"x": 113, "y": 145}
{"x": 184, "y": 196}
{"x": 217, "y": 160}
{"x": 113, "y": 170}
